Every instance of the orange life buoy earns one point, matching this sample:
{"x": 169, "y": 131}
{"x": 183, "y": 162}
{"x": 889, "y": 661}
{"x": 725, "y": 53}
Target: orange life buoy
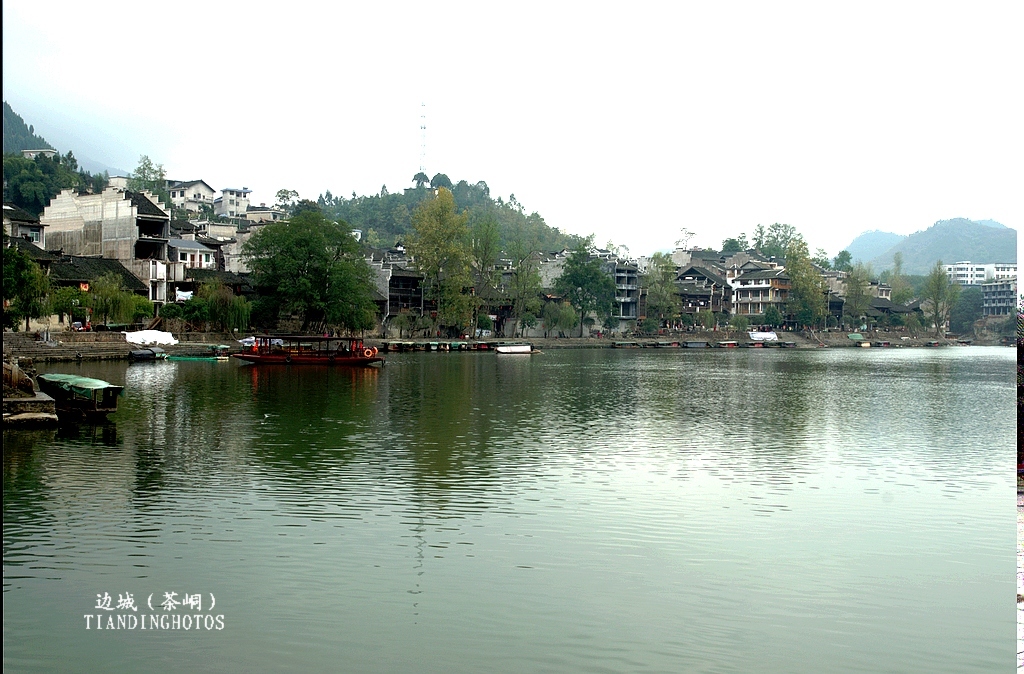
{"x": 375, "y": 351}
{"x": 368, "y": 353}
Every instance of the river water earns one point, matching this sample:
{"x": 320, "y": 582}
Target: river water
{"x": 668, "y": 510}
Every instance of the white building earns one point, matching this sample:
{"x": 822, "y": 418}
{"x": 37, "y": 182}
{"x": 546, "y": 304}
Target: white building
{"x": 968, "y": 273}
{"x": 232, "y": 202}
{"x": 192, "y": 195}
{"x": 191, "y": 254}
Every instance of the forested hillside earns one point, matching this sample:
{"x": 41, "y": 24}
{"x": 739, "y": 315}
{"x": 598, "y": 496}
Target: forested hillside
{"x": 386, "y": 218}
{"x": 952, "y": 241}
{"x": 18, "y": 136}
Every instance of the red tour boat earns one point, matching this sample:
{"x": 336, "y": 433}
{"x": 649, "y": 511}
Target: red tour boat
{"x": 307, "y": 350}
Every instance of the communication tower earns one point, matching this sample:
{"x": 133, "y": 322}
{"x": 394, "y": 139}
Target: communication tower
{"x": 423, "y": 137}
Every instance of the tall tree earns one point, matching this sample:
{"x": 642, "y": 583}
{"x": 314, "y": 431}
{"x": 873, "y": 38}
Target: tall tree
{"x": 25, "y": 288}
{"x": 440, "y": 248}
{"x": 524, "y": 284}
{"x": 843, "y": 261}
{"x": 485, "y": 245}
{"x": 663, "y": 301}
{"x": 807, "y": 288}
{"x": 735, "y": 244}
{"x": 902, "y": 291}
{"x": 939, "y": 296}
{"x": 151, "y": 177}
{"x": 312, "y": 266}
{"x": 857, "y": 297}
{"x": 585, "y": 284}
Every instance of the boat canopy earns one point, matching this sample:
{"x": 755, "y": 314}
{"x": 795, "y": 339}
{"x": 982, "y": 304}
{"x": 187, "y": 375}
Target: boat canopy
{"x": 80, "y": 385}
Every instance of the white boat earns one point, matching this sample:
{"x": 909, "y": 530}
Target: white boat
{"x": 514, "y": 348}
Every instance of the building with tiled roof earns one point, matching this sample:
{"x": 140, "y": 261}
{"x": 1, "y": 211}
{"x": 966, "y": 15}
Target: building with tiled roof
{"x": 20, "y": 224}
{"x": 191, "y": 195}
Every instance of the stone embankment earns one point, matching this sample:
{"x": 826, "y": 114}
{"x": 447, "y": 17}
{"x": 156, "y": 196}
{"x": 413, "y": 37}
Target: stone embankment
{"x": 76, "y": 346}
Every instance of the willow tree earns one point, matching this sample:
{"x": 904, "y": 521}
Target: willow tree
{"x": 663, "y": 301}
{"x": 441, "y": 249}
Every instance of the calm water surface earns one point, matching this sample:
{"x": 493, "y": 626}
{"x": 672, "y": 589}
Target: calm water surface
{"x": 599, "y": 511}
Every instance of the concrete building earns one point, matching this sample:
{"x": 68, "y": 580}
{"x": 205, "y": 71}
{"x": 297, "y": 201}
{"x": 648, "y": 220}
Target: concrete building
{"x": 191, "y": 254}
{"x": 232, "y": 202}
{"x": 192, "y": 195}
{"x": 969, "y": 273}
{"x": 131, "y": 227}
{"x": 45, "y": 152}
{"x": 999, "y": 298}
{"x": 264, "y": 213}
{"x": 755, "y": 291}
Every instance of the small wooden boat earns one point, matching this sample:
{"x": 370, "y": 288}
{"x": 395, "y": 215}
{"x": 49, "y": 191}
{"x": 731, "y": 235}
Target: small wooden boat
{"x": 149, "y": 353}
{"x": 306, "y": 350}
{"x": 696, "y": 344}
{"x": 787, "y": 345}
{"x": 514, "y": 348}
{"x": 80, "y": 397}
{"x": 728, "y": 344}
{"x": 880, "y": 344}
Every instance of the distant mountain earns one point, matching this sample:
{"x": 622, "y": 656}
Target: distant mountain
{"x": 870, "y": 245}
{"x": 952, "y": 241}
{"x": 19, "y": 136}
{"x": 992, "y": 223}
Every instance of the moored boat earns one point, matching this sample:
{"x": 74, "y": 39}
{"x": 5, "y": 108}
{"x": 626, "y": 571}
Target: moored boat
{"x": 728, "y": 344}
{"x": 514, "y": 348}
{"x": 149, "y": 353}
{"x": 309, "y": 350}
{"x": 80, "y": 397}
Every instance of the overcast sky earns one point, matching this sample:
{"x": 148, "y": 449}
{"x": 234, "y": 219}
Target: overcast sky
{"x": 629, "y": 122}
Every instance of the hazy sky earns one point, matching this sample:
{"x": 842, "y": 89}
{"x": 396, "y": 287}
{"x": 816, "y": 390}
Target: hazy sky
{"x": 629, "y": 122}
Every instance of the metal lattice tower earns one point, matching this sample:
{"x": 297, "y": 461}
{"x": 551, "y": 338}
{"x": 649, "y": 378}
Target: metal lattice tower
{"x": 423, "y": 137}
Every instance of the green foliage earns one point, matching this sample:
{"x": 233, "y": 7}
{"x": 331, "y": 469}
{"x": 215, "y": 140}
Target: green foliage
{"x": 287, "y": 198}
{"x": 311, "y": 266}
{"x": 966, "y": 311}
{"x": 650, "y": 326}
{"x": 939, "y": 296}
{"x": 18, "y": 136}
{"x": 807, "y": 289}
{"x": 821, "y": 259}
{"x": 585, "y": 284}
{"x": 440, "y": 248}
{"x": 739, "y": 323}
{"x": 663, "y": 301}
{"x": 902, "y": 292}
{"x": 67, "y": 301}
{"x": 776, "y": 239}
{"x": 705, "y": 318}
{"x": 401, "y": 322}
{"x": 524, "y": 283}
{"x": 224, "y": 310}
{"x": 110, "y": 300}
{"x": 686, "y": 320}
{"x": 25, "y": 288}
{"x": 484, "y": 250}
{"x": 31, "y": 183}
{"x": 171, "y": 311}
{"x": 152, "y": 178}
{"x": 559, "y": 316}
{"x": 773, "y": 317}
{"x": 484, "y": 322}
{"x": 843, "y": 261}
{"x": 857, "y": 298}
{"x": 440, "y": 180}
{"x": 421, "y": 180}
{"x": 735, "y": 244}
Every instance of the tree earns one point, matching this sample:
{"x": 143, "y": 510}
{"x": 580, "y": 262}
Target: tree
{"x": 311, "y": 266}
{"x": 705, "y": 318}
{"x": 585, "y": 284}
{"x": 441, "y": 250}
{"x": 286, "y": 199}
{"x": 857, "y": 298}
{"x": 225, "y": 310}
{"x": 735, "y": 244}
{"x": 524, "y": 283}
{"x": 773, "y": 317}
{"x": 775, "y": 240}
{"x": 807, "y": 288}
{"x": 66, "y": 300}
{"x": 485, "y": 245}
{"x": 902, "y": 292}
{"x": 110, "y": 300}
{"x": 966, "y": 311}
{"x": 843, "y": 261}
{"x": 440, "y": 180}
{"x": 150, "y": 177}
{"x": 821, "y": 259}
{"x": 421, "y": 180}
{"x": 25, "y": 288}
{"x": 663, "y": 301}
{"x": 939, "y": 296}
{"x": 739, "y": 323}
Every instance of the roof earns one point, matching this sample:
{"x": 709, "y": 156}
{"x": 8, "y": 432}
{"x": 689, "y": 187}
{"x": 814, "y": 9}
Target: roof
{"x": 144, "y": 205}
{"x": 182, "y": 184}
{"x": 762, "y": 274}
{"x": 78, "y": 269}
{"x": 18, "y": 214}
{"x": 34, "y": 252}
{"x": 228, "y": 278}
{"x": 185, "y": 244}
{"x": 705, "y": 272}
{"x": 82, "y": 385}
{"x": 243, "y": 190}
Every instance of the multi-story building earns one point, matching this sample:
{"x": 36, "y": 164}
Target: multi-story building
{"x": 264, "y": 213}
{"x": 192, "y": 195}
{"x": 999, "y": 298}
{"x": 702, "y": 289}
{"x": 232, "y": 202}
{"x": 20, "y": 224}
{"x": 131, "y": 227}
{"x": 754, "y": 291}
{"x": 969, "y": 273}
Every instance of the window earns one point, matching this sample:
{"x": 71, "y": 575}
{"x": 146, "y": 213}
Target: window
{"x": 182, "y": 257}
{"x": 206, "y": 257}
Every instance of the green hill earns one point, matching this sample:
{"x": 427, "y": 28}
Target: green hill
{"x": 870, "y": 245}
{"x": 952, "y": 241}
{"x": 18, "y": 136}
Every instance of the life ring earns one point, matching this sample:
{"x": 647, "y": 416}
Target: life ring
{"x": 375, "y": 351}
{"x": 368, "y": 353}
